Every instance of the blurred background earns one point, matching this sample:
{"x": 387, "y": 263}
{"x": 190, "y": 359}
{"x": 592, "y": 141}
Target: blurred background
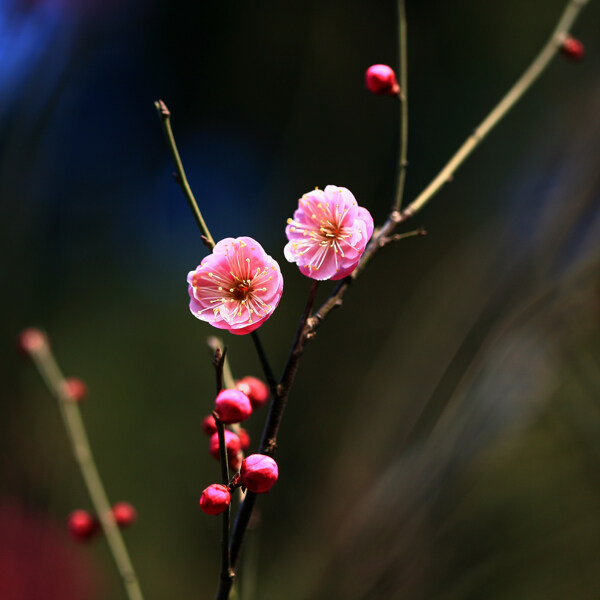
{"x": 445, "y": 445}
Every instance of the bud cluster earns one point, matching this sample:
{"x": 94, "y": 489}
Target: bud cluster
{"x": 258, "y": 472}
{"x": 83, "y": 526}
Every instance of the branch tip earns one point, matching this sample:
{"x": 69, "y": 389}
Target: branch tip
{"x": 161, "y": 107}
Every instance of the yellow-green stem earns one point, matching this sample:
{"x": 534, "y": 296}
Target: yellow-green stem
{"x": 165, "y": 119}
{"x": 403, "y": 99}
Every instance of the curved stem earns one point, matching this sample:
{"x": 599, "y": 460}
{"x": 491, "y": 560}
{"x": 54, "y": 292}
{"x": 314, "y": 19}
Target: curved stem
{"x": 403, "y": 99}
{"x": 165, "y": 119}
{"x": 71, "y": 416}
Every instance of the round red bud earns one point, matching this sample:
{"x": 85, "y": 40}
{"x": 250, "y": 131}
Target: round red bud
{"x": 255, "y": 389}
{"x": 244, "y": 438}
{"x": 31, "y": 340}
{"x": 215, "y": 499}
{"x": 75, "y": 389}
{"x": 232, "y": 443}
{"x": 235, "y": 462}
{"x": 572, "y": 48}
{"x": 208, "y": 425}
{"x": 381, "y": 80}
{"x": 233, "y": 406}
{"x": 124, "y": 514}
{"x": 82, "y": 525}
{"x": 259, "y": 473}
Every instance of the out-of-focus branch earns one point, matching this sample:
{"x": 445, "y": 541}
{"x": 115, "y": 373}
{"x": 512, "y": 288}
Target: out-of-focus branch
{"x": 71, "y": 416}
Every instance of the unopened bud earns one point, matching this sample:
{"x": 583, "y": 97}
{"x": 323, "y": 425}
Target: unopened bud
{"x": 255, "y": 389}
{"x": 259, "y": 473}
{"x": 83, "y": 526}
{"x": 232, "y": 443}
{"x": 233, "y": 406}
{"x": 572, "y": 48}
{"x": 124, "y": 514}
{"x": 215, "y": 499}
{"x": 208, "y": 425}
{"x": 31, "y": 340}
{"x": 381, "y": 80}
{"x": 75, "y": 389}
{"x": 244, "y": 438}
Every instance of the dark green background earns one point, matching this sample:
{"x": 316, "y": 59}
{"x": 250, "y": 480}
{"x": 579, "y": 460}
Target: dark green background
{"x": 442, "y": 438}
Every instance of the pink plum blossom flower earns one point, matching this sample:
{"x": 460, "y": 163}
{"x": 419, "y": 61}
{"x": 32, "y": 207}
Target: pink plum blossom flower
{"x": 237, "y": 287}
{"x": 328, "y": 234}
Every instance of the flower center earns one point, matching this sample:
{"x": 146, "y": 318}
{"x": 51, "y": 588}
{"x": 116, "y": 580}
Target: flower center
{"x": 241, "y": 290}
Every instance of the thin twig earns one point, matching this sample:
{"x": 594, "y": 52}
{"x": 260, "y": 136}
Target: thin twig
{"x": 268, "y": 442}
{"x": 165, "y": 119}
{"x": 226, "y": 572}
{"x": 264, "y": 362}
{"x": 215, "y": 343}
{"x": 71, "y": 416}
{"x": 403, "y": 99}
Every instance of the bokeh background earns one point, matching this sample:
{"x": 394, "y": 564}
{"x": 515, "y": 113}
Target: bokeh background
{"x": 442, "y": 441}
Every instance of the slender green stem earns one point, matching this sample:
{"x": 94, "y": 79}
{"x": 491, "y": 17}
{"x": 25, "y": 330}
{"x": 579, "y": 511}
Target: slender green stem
{"x": 71, "y": 416}
{"x": 403, "y": 99}
{"x": 165, "y": 119}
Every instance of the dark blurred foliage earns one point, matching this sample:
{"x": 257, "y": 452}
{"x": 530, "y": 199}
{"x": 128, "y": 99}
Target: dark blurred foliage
{"x": 442, "y": 439}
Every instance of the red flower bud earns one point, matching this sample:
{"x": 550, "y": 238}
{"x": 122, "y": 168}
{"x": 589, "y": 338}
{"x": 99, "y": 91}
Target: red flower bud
{"x": 572, "y": 48}
{"x": 124, "y": 514}
{"x": 31, "y": 340}
{"x": 235, "y": 462}
{"x": 208, "y": 425}
{"x": 233, "y": 406}
{"x": 259, "y": 473}
{"x": 255, "y": 389}
{"x": 75, "y": 389}
{"x": 244, "y": 438}
{"x": 381, "y": 80}
{"x": 215, "y": 499}
{"x": 82, "y": 525}
{"x": 232, "y": 443}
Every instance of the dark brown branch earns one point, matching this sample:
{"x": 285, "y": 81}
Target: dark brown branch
{"x": 226, "y": 571}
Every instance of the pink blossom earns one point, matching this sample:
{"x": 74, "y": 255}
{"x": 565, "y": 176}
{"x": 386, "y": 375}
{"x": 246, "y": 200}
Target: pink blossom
{"x": 237, "y": 287}
{"x": 328, "y": 234}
